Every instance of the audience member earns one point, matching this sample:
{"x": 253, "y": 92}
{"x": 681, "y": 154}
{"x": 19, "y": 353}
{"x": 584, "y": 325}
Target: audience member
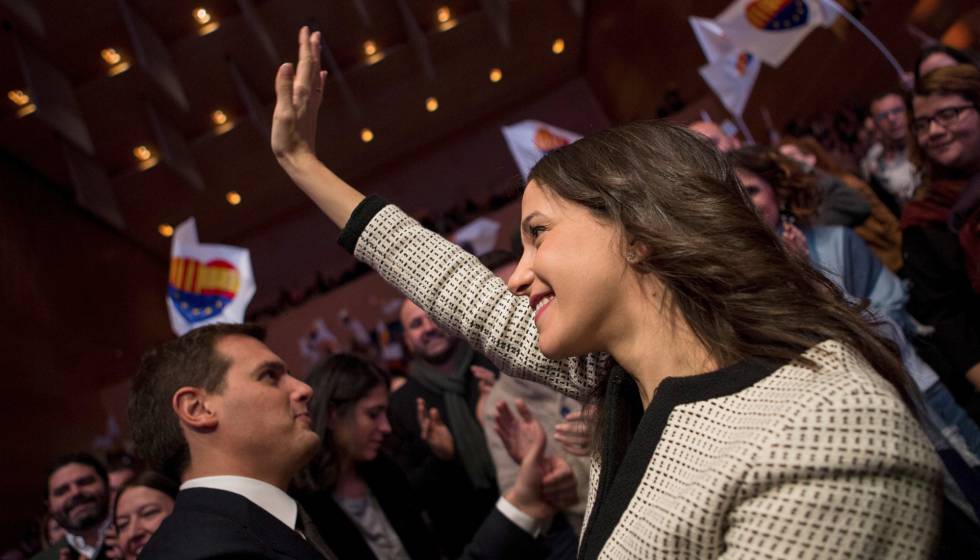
{"x": 839, "y": 205}
{"x": 642, "y": 261}
{"x": 78, "y": 499}
{"x": 938, "y": 56}
{"x": 442, "y": 467}
{"x": 715, "y": 135}
{"x": 940, "y": 228}
{"x": 142, "y": 503}
{"x": 51, "y": 532}
{"x": 887, "y": 165}
{"x": 217, "y": 410}
{"x": 360, "y": 500}
{"x": 880, "y": 231}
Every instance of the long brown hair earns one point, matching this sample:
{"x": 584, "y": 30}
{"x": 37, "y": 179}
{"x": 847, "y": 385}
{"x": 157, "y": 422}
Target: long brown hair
{"x": 726, "y": 274}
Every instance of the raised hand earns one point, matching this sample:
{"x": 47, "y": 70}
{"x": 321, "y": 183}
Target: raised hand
{"x": 486, "y": 379}
{"x": 299, "y": 90}
{"x": 434, "y": 432}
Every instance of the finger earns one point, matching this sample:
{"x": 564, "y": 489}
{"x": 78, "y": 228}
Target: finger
{"x": 523, "y": 410}
{"x": 573, "y": 416}
{"x": 420, "y": 413}
{"x": 435, "y": 417}
{"x": 284, "y": 89}
{"x": 303, "y": 83}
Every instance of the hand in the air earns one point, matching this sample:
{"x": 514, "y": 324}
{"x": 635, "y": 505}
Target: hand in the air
{"x": 299, "y": 90}
{"x": 526, "y": 437}
{"x": 518, "y": 434}
{"x": 573, "y": 434}
{"x": 434, "y": 432}
{"x": 795, "y": 240}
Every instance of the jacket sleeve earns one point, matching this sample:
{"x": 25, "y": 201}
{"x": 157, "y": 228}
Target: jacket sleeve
{"x": 500, "y": 539}
{"x": 463, "y": 296}
{"x": 817, "y": 489}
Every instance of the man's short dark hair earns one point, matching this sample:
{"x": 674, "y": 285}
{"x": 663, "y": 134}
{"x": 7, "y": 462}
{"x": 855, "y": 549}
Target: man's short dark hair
{"x": 80, "y": 458}
{"x": 885, "y": 93}
{"x": 187, "y": 361}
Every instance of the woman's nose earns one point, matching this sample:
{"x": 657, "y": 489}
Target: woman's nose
{"x": 520, "y": 280}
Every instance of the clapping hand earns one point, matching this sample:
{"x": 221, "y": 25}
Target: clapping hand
{"x": 434, "y": 432}
{"x": 525, "y": 442}
{"x": 573, "y": 434}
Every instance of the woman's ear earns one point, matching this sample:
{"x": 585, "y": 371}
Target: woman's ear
{"x": 193, "y": 409}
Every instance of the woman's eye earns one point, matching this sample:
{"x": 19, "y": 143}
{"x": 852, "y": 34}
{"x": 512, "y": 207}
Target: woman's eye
{"x": 535, "y": 231}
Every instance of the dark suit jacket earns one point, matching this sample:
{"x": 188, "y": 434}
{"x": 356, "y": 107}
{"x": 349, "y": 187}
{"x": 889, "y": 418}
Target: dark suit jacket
{"x": 391, "y": 489}
{"x": 215, "y": 524}
{"x": 499, "y": 539}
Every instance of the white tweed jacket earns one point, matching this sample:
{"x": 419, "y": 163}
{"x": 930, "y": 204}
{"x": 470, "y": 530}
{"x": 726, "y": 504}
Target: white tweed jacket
{"x": 807, "y": 461}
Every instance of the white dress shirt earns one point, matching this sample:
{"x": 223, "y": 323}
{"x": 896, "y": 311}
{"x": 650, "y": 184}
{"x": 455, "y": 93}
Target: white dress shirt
{"x": 273, "y": 500}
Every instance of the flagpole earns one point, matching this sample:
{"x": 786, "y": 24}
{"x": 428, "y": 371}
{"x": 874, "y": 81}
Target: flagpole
{"x": 745, "y": 129}
{"x": 867, "y": 33}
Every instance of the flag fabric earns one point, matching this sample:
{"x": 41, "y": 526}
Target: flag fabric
{"x": 714, "y": 43}
{"x": 770, "y": 29}
{"x": 530, "y": 140}
{"x": 208, "y": 283}
{"x": 480, "y": 235}
{"x": 732, "y": 78}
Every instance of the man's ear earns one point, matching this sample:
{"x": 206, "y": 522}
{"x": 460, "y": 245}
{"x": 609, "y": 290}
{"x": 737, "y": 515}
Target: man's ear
{"x": 193, "y": 409}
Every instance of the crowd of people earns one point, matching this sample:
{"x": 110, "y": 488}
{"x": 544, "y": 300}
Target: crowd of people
{"x": 699, "y": 348}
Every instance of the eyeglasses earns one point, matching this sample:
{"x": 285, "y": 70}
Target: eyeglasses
{"x": 943, "y": 117}
{"x": 884, "y": 115}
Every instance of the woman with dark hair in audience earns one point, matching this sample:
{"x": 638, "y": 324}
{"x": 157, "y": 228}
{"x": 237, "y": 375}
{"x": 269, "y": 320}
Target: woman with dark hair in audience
{"x": 742, "y": 400}
{"x": 941, "y": 228}
{"x": 358, "y": 498}
{"x": 141, "y": 505}
{"x": 880, "y": 231}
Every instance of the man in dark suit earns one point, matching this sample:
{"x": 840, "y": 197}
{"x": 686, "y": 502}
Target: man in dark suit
{"x": 217, "y": 410}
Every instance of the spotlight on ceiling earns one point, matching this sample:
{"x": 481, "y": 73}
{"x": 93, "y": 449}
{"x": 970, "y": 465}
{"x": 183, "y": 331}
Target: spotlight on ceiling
{"x": 205, "y": 20}
{"x": 366, "y": 135}
{"x": 431, "y": 104}
{"x": 558, "y": 46}
{"x": 165, "y": 230}
{"x": 233, "y": 198}
{"x": 496, "y": 74}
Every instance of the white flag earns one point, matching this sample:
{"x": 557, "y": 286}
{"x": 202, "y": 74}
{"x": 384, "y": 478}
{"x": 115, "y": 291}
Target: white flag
{"x": 530, "y": 140}
{"x": 480, "y": 234}
{"x": 732, "y": 78}
{"x": 712, "y": 39}
{"x": 208, "y": 283}
{"x": 770, "y": 29}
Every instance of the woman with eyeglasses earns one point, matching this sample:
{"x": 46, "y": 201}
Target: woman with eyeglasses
{"x": 941, "y": 228}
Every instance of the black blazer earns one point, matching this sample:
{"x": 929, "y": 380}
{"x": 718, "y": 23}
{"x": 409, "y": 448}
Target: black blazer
{"x": 215, "y": 524}
{"x": 390, "y": 488}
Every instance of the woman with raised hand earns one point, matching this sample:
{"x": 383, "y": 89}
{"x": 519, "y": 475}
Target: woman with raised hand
{"x": 745, "y": 409}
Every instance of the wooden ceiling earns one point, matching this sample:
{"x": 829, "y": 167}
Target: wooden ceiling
{"x": 85, "y": 123}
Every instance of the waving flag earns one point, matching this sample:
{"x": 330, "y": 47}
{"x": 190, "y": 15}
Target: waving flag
{"x": 530, "y": 140}
{"x": 770, "y": 29}
{"x": 208, "y": 283}
{"x": 732, "y": 78}
{"x": 712, "y": 39}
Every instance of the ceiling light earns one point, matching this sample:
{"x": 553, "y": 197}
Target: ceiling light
{"x": 431, "y": 104}
{"x": 202, "y": 16}
{"x": 219, "y": 117}
{"x": 443, "y": 14}
{"x": 142, "y": 153}
{"x": 496, "y": 75}
{"x": 111, "y": 56}
{"x": 165, "y": 230}
{"x": 233, "y": 198}
{"x": 558, "y": 46}
{"x": 18, "y": 97}
{"x": 366, "y": 135}
{"x": 370, "y": 48}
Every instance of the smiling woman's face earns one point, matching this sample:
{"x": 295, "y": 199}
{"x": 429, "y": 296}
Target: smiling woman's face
{"x": 573, "y": 271}
{"x": 139, "y": 512}
{"x": 956, "y": 144}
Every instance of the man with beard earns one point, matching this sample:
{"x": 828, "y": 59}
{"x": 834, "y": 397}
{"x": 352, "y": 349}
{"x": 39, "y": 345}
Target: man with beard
{"x": 886, "y": 165}
{"x": 443, "y": 465}
{"x": 78, "y": 499}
